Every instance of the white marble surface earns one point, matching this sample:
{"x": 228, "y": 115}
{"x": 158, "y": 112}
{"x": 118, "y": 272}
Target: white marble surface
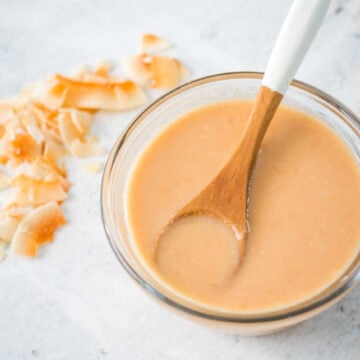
{"x": 75, "y": 302}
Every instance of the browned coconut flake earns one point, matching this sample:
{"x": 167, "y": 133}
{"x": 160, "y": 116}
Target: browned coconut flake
{"x": 60, "y": 91}
{"x": 151, "y": 43}
{"x": 37, "y": 228}
{"x": 166, "y": 72}
{"x": 154, "y": 71}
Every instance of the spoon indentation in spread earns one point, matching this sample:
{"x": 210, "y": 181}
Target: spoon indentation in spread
{"x": 201, "y": 248}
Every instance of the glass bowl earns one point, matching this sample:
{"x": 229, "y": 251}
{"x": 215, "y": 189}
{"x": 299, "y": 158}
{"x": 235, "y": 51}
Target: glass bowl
{"x": 157, "y": 116}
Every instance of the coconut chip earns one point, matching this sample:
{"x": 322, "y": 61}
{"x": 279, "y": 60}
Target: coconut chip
{"x": 68, "y": 131}
{"x": 44, "y": 169}
{"x": 82, "y": 120}
{"x": 24, "y": 148}
{"x": 37, "y": 228}
{"x": 51, "y": 93}
{"x": 112, "y": 96}
{"x": 85, "y": 149}
{"x": 93, "y": 167}
{"x": 166, "y": 72}
{"x": 30, "y": 191}
{"x": 17, "y": 213}
{"x": 4, "y": 181}
{"x": 107, "y": 95}
{"x": 103, "y": 68}
{"x": 8, "y": 226}
{"x": 2, "y": 131}
{"x": 137, "y": 68}
{"x": 151, "y": 43}
{"x": 53, "y": 150}
{"x": 6, "y": 112}
{"x": 156, "y": 71}
{"x": 74, "y": 139}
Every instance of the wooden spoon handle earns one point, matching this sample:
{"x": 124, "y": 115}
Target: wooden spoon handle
{"x": 300, "y": 27}
{"x": 296, "y": 35}
{"x": 265, "y": 106}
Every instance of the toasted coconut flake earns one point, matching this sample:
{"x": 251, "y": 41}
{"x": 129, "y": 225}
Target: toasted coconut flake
{"x": 82, "y": 120}
{"x": 95, "y": 167}
{"x": 4, "y": 181}
{"x": 95, "y": 79}
{"x": 80, "y": 72}
{"x": 103, "y": 68}
{"x": 65, "y": 183}
{"x": 36, "y": 133}
{"x": 6, "y": 110}
{"x": 3, "y": 159}
{"x": 50, "y": 119}
{"x": 24, "y": 148}
{"x": 151, "y": 43}
{"x": 30, "y": 191}
{"x": 15, "y": 212}
{"x": 8, "y": 226}
{"x": 23, "y": 168}
{"x": 74, "y": 140}
{"x": 50, "y": 123}
{"x": 13, "y": 103}
{"x": 113, "y": 96}
{"x": 45, "y": 116}
{"x": 6, "y": 113}
{"x": 39, "y": 110}
{"x": 44, "y": 169}
{"x": 68, "y": 131}
{"x": 64, "y": 92}
{"x": 5, "y": 149}
{"x": 84, "y": 149}
{"x": 62, "y": 170}
{"x": 27, "y": 116}
{"x": 37, "y": 228}
{"x": 166, "y": 72}
{"x": 52, "y": 135}
{"x": 2, "y": 131}
{"x": 54, "y": 151}
{"x": 137, "y": 68}
{"x": 51, "y": 93}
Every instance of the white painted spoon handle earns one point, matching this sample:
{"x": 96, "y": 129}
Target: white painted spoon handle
{"x": 300, "y": 27}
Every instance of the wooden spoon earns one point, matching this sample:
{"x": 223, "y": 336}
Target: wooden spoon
{"x": 226, "y": 195}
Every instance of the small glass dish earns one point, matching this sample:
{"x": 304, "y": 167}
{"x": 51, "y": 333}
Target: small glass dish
{"x": 157, "y": 116}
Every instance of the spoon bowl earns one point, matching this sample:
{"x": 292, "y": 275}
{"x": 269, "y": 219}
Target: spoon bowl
{"x": 191, "y": 243}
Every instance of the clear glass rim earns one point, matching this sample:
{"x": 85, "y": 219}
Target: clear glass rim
{"x": 246, "y": 319}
